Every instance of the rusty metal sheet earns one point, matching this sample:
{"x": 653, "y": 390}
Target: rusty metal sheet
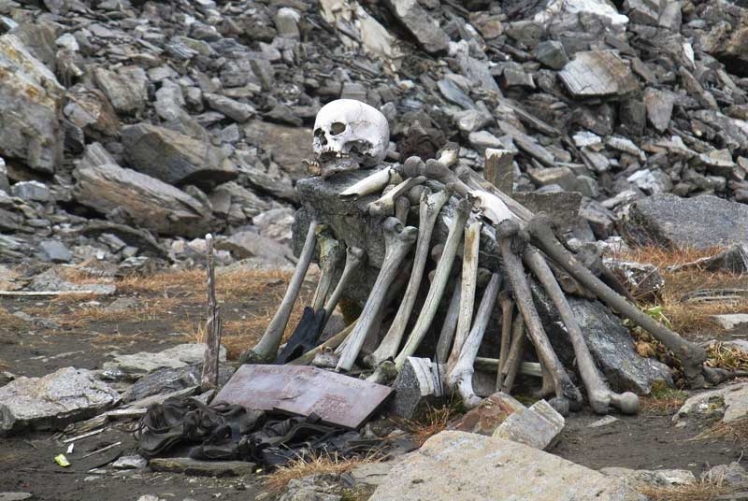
{"x": 303, "y": 390}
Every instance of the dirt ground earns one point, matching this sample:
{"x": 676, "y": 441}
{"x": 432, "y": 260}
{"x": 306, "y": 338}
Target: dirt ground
{"x": 86, "y": 334}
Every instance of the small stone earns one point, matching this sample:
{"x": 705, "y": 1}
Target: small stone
{"x": 538, "y": 426}
{"x": 130, "y": 463}
{"x": 31, "y": 190}
{"x": 562, "y": 176}
{"x": 15, "y": 496}
{"x": 233, "y": 109}
{"x": 482, "y": 140}
{"x": 55, "y": 251}
{"x": 598, "y": 73}
{"x": 552, "y": 54}
{"x": 731, "y": 321}
{"x": 603, "y": 422}
{"x": 416, "y": 386}
{"x": 489, "y": 414}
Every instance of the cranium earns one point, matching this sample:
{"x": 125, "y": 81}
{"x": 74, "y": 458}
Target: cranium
{"x": 348, "y": 134}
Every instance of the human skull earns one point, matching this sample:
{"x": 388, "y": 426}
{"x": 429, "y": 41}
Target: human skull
{"x": 349, "y": 134}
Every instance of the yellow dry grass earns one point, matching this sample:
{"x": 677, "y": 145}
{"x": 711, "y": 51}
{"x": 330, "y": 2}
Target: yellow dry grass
{"x": 737, "y": 431}
{"x": 662, "y": 400}
{"x": 700, "y": 491}
{"x": 314, "y": 465}
{"x": 689, "y": 317}
{"x": 434, "y": 420}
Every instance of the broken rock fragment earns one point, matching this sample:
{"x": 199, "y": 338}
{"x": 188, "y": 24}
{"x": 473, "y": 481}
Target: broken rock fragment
{"x": 419, "y": 22}
{"x": 175, "y": 158}
{"x": 598, "y": 73}
{"x": 54, "y": 400}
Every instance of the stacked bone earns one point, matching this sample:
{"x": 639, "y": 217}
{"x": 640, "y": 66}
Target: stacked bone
{"x": 481, "y": 209}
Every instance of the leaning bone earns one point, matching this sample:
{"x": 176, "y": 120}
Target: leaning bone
{"x": 372, "y": 184}
{"x": 385, "y": 205}
{"x": 330, "y": 254}
{"x": 436, "y": 290}
{"x": 450, "y": 324}
{"x": 467, "y": 289}
{"x": 691, "y": 356}
{"x": 506, "y": 232}
{"x": 430, "y": 206}
{"x": 476, "y": 182}
{"x": 354, "y": 257}
{"x": 598, "y": 393}
{"x": 398, "y": 241}
{"x": 461, "y": 375}
{"x": 507, "y": 310}
{"x": 267, "y": 349}
{"x": 492, "y": 364}
{"x": 510, "y": 368}
{"x": 402, "y": 209}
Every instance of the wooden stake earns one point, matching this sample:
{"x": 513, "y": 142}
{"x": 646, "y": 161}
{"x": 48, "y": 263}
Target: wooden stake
{"x": 209, "y": 378}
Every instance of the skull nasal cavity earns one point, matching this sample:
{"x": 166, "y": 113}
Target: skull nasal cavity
{"x": 320, "y": 135}
{"x": 337, "y": 128}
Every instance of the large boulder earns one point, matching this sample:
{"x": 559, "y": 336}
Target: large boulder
{"x": 457, "y": 465}
{"x": 30, "y": 101}
{"x": 54, "y": 400}
{"x": 147, "y": 202}
{"x": 175, "y": 158}
{"x": 700, "y": 222}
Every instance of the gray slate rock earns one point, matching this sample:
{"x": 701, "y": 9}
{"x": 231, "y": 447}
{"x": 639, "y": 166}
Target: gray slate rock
{"x": 701, "y": 222}
{"x": 31, "y": 190}
{"x": 598, "y": 73}
{"x": 538, "y": 426}
{"x": 175, "y": 158}
{"x": 55, "y": 251}
{"x": 176, "y": 357}
{"x": 419, "y": 22}
{"x": 126, "y": 89}
{"x": 249, "y": 244}
{"x": 190, "y": 466}
{"x": 54, "y": 400}
{"x": 146, "y": 201}
{"x": 30, "y": 100}
{"x": 457, "y": 465}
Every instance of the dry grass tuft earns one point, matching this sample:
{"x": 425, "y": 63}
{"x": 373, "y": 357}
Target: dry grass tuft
{"x": 434, "y": 420}
{"x": 663, "y": 400}
{"x": 737, "y": 431}
{"x": 689, "y": 317}
{"x": 314, "y": 465}
{"x": 700, "y": 491}
{"x": 727, "y": 357}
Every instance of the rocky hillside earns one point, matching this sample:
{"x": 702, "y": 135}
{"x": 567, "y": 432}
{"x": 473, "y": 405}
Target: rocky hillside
{"x": 129, "y": 129}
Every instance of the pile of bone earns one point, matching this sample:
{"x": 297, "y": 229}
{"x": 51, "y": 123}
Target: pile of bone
{"x": 525, "y": 241}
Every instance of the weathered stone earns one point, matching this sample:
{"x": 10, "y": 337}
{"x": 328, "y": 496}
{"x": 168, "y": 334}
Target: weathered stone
{"x": 30, "y": 102}
{"x": 489, "y": 414}
{"x": 552, "y": 54}
{"x": 249, "y": 244}
{"x": 15, "y": 496}
{"x": 55, "y": 251}
{"x": 729, "y": 404}
{"x": 130, "y": 463}
{"x": 457, "y": 465}
{"x": 731, "y": 321}
{"x": 654, "y": 478}
{"x": 537, "y": 426}
{"x": 176, "y": 357}
{"x": 419, "y": 22}
{"x": 643, "y": 280}
{"x": 54, "y": 400}
{"x": 610, "y": 344}
{"x": 598, "y": 73}
{"x": 659, "y": 105}
{"x": 240, "y": 112}
{"x": 561, "y": 176}
{"x": 168, "y": 380}
{"x": 289, "y": 146}
{"x": 148, "y": 202}
{"x": 175, "y": 158}
{"x": 126, "y": 89}
{"x": 700, "y": 222}
{"x": 416, "y": 386}
{"x": 190, "y": 466}
{"x": 372, "y": 473}
{"x": 89, "y": 110}
{"x": 729, "y": 475}
{"x": 31, "y": 190}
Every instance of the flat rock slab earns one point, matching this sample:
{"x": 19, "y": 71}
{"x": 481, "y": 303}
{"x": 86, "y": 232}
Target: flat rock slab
{"x": 598, "y": 73}
{"x": 176, "y": 357}
{"x": 54, "y": 400}
{"x": 489, "y": 414}
{"x": 469, "y": 467}
{"x": 730, "y": 402}
{"x": 538, "y": 426}
{"x": 15, "y": 496}
{"x": 699, "y": 222}
{"x": 337, "y": 399}
{"x": 731, "y": 321}
{"x": 190, "y": 466}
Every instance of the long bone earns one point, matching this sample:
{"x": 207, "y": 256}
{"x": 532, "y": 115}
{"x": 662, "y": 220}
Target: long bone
{"x": 491, "y": 206}
{"x": 267, "y": 348}
{"x": 372, "y": 184}
{"x": 598, "y": 393}
{"x": 436, "y": 290}
{"x": 461, "y": 375}
{"x": 566, "y": 392}
{"x": 691, "y": 356}
{"x": 467, "y": 289}
{"x": 385, "y": 205}
{"x": 516, "y": 351}
{"x": 330, "y": 255}
{"x": 398, "y": 241}
{"x": 507, "y": 310}
{"x": 450, "y": 324}
{"x": 402, "y": 209}
{"x": 430, "y": 206}
{"x": 354, "y": 257}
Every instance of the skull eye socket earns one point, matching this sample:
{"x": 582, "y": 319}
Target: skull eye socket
{"x": 337, "y": 128}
